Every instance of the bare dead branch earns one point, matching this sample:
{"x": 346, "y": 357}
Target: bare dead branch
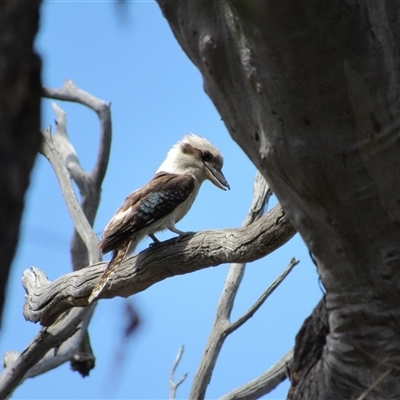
{"x": 89, "y": 184}
{"x": 172, "y": 384}
{"x": 222, "y": 325}
{"x": 66, "y": 351}
{"x": 261, "y": 194}
{"x": 264, "y": 384}
{"x": 70, "y": 92}
{"x": 68, "y": 153}
{"x": 90, "y": 195}
{"x": 80, "y": 221}
{"x": 62, "y": 156}
{"x": 253, "y": 309}
{"x": 48, "y": 338}
{"x": 173, "y": 257}
{"x": 68, "y": 326}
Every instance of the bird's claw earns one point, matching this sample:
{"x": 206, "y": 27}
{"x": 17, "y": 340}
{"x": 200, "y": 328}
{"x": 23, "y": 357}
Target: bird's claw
{"x": 154, "y": 239}
{"x": 184, "y": 234}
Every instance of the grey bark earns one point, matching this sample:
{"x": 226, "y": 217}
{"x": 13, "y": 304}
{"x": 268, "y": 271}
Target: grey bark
{"x": 67, "y": 339}
{"x": 46, "y": 301}
{"x": 20, "y": 87}
{"x": 224, "y": 326}
{"x": 310, "y": 91}
{"x": 265, "y": 383}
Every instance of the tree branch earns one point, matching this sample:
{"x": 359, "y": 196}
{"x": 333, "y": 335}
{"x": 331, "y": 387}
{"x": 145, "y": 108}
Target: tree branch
{"x": 48, "y": 338}
{"x": 70, "y": 92}
{"x": 68, "y": 153}
{"x": 172, "y": 384}
{"x": 222, "y": 325}
{"x": 261, "y": 195}
{"x": 222, "y": 328}
{"x": 67, "y": 341}
{"x": 253, "y": 309}
{"x": 53, "y": 359}
{"x": 89, "y": 184}
{"x": 80, "y": 221}
{"x": 71, "y": 326}
{"x": 264, "y": 384}
{"x": 190, "y": 253}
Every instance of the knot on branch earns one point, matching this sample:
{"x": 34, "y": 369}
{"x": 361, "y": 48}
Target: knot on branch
{"x": 10, "y": 357}
{"x": 208, "y": 47}
{"x": 32, "y": 280}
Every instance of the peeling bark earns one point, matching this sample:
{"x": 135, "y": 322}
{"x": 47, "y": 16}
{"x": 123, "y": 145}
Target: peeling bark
{"x": 310, "y": 91}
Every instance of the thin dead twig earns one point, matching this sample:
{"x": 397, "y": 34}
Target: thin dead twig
{"x": 254, "y": 308}
{"x": 172, "y": 384}
{"x": 263, "y": 384}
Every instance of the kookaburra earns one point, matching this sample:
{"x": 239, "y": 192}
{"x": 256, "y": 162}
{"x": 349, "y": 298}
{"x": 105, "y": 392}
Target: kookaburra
{"x": 161, "y": 203}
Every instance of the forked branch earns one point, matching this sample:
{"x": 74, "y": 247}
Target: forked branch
{"x": 172, "y": 384}
{"x": 222, "y": 325}
{"x": 68, "y": 333}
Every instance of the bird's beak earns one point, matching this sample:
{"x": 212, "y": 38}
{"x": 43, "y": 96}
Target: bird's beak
{"x": 216, "y": 177}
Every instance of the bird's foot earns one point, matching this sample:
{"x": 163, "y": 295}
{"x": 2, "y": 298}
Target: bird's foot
{"x": 154, "y": 239}
{"x": 183, "y": 235}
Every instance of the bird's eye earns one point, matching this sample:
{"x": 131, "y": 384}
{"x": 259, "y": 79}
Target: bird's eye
{"x": 206, "y": 156}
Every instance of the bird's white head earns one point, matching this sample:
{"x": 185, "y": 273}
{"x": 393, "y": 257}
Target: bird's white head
{"x": 196, "y": 156}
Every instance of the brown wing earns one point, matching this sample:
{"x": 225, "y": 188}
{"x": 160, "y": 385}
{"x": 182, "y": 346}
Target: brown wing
{"x": 144, "y": 206}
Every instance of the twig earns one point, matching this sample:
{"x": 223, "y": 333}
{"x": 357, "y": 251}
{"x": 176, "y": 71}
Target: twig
{"x": 174, "y": 386}
{"x": 264, "y": 384}
{"x": 70, "y": 92}
{"x": 244, "y": 318}
{"x": 222, "y": 325}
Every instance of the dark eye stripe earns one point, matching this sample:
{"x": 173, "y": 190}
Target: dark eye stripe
{"x": 206, "y": 156}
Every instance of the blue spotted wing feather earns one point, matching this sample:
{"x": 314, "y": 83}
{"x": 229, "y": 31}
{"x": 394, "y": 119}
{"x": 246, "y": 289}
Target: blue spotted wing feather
{"x": 156, "y": 200}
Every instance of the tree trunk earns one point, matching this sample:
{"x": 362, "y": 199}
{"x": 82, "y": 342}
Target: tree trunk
{"x": 310, "y": 91}
{"x": 20, "y": 138}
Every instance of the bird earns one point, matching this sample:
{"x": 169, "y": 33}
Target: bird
{"x": 162, "y": 202}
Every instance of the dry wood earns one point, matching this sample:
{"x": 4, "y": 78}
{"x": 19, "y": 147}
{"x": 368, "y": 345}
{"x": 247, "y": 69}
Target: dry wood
{"x": 309, "y": 90}
{"x": 68, "y": 339}
{"x": 193, "y": 252}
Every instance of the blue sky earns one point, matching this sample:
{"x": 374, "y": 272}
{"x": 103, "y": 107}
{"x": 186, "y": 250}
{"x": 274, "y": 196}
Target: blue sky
{"x": 132, "y": 59}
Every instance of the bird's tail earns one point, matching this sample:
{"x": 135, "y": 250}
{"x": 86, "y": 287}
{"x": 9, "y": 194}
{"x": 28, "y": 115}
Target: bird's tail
{"x": 117, "y": 258}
